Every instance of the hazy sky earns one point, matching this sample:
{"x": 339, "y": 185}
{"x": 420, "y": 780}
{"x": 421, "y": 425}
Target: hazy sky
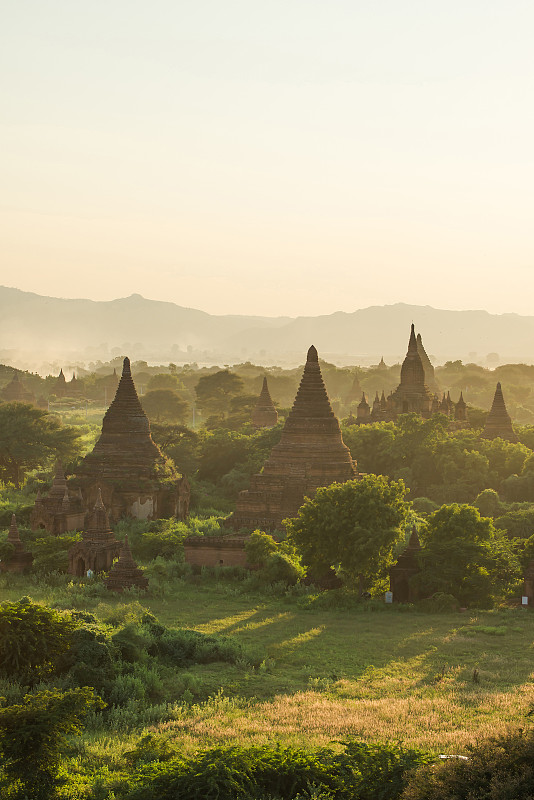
{"x": 269, "y": 157}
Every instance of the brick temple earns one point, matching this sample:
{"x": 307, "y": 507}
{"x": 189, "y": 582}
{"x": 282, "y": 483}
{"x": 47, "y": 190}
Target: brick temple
{"x": 311, "y": 453}
{"x": 498, "y": 421}
{"x": 98, "y": 547}
{"x": 416, "y": 393}
{"x": 134, "y": 476}
{"x": 60, "y": 510}
{"x": 264, "y": 414}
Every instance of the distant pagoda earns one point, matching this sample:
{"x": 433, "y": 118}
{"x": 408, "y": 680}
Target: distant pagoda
{"x": 21, "y": 560}
{"x": 125, "y": 573}
{"x": 264, "y": 414}
{"x": 412, "y": 393}
{"x": 60, "y": 387}
{"x": 98, "y": 547}
{"x": 135, "y": 478}
{"x": 498, "y": 422}
{"x": 16, "y": 392}
{"x": 310, "y": 454}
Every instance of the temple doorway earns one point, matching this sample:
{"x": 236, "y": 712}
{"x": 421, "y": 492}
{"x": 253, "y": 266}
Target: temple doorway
{"x": 80, "y": 568}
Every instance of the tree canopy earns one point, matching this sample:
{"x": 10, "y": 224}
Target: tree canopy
{"x": 465, "y": 556}
{"x": 165, "y": 405}
{"x": 352, "y": 527}
{"x": 31, "y": 438}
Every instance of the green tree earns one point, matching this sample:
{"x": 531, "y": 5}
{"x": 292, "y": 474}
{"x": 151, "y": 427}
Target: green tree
{"x": 352, "y": 527}
{"x": 464, "y": 555}
{"x": 35, "y": 733}
{"x": 33, "y": 640}
{"x": 179, "y": 443}
{"x": 31, "y": 438}
{"x": 164, "y": 380}
{"x": 215, "y": 392}
{"x": 165, "y": 405}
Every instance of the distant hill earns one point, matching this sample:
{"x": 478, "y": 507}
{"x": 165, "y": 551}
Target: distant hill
{"x": 35, "y": 328}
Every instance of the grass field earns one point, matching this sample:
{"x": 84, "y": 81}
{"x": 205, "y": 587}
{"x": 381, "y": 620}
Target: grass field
{"x": 372, "y": 671}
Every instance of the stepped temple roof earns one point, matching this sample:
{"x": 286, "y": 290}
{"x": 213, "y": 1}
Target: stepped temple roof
{"x": 98, "y": 547}
{"x": 311, "y": 453}
{"x": 125, "y": 573}
{"x": 498, "y": 421}
{"x": 133, "y": 474}
{"x": 21, "y": 560}
{"x": 265, "y": 414}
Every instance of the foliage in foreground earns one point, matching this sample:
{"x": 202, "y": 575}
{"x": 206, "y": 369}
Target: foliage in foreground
{"x": 366, "y": 771}
{"x": 500, "y": 768}
{"x": 33, "y": 736}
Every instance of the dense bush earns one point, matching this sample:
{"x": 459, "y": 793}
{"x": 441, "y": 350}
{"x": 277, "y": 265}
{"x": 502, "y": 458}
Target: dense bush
{"x": 361, "y": 770}
{"x": 500, "y": 768}
{"x": 34, "y": 640}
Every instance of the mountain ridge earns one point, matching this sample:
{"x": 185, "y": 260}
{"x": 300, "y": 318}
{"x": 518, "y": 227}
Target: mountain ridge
{"x": 159, "y": 330}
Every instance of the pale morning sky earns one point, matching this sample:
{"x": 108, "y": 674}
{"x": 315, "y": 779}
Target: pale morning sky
{"x": 269, "y": 156}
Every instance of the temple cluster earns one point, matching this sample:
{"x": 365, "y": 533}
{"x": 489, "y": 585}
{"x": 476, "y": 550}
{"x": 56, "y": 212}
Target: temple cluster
{"x": 126, "y": 474}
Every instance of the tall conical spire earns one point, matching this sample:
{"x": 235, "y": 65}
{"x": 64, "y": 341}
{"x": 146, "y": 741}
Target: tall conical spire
{"x": 264, "y": 414}
{"x": 498, "y": 421}
{"x": 311, "y": 453}
{"x": 412, "y": 371}
{"x": 460, "y": 409}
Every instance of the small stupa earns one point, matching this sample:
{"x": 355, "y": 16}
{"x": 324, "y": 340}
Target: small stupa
{"x": 498, "y": 422}
{"x": 134, "y": 476}
{"x": 264, "y": 414}
{"x": 21, "y": 560}
{"x": 125, "y": 573}
{"x": 98, "y": 547}
{"x": 311, "y": 453}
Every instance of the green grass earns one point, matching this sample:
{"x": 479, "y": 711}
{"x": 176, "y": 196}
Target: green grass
{"x": 377, "y": 673}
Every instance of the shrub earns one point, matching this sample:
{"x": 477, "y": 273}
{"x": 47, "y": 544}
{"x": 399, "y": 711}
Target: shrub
{"x": 364, "y": 771}
{"x": 33, "y": 640}
{"x": 499, "y": 768}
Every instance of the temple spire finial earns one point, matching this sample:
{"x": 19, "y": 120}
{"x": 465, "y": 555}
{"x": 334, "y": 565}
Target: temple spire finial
{"x": 312, "y": 355}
